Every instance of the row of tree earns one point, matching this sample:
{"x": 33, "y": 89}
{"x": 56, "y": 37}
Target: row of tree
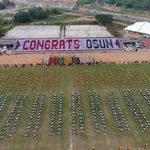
{"x": 34, "y": 14}
{"x": 140, "y": 4}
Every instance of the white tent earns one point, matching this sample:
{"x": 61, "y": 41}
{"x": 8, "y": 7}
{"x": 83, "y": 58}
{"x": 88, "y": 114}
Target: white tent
{"x": 139, "y": 27}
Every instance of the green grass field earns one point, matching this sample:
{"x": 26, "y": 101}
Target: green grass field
{"x": 53, "y": 80}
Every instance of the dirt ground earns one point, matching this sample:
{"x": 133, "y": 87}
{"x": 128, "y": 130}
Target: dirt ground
{"x": 118, "y": 57}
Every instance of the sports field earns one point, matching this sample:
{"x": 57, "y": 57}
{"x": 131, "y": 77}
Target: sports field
{"x": 75, "y": 107}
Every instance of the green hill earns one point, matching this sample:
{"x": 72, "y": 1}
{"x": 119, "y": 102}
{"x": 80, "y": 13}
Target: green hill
{"x": 139, "y": 4}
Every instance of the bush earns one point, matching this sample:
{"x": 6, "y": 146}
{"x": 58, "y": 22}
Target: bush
{"x": 22, "y": 17}
{"x": 34, "y": 14}
{"x": 1, "y": 32}
{"x": 140, "y": 4}
{"x": 104, "y": 19}
{"x": 30, "y": 15}
{"x": 86, "y": 1}
{"x": 55, "y": 11}
{"x": 38, "y": 13}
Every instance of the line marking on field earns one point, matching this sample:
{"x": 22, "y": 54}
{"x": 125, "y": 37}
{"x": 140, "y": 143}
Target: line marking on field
{"x": 71, "y": 145}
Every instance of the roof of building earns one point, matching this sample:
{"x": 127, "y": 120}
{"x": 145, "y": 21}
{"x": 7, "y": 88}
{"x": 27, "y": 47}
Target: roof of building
{"x": 56, "y": 31}
{"x": 139, "y": 27}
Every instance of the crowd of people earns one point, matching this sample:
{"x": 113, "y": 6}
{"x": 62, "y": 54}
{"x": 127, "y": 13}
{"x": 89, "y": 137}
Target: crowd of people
{"x": 69, "y": 60}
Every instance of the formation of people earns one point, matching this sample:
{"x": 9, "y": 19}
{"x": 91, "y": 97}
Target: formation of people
{"x": 68, "y": 60}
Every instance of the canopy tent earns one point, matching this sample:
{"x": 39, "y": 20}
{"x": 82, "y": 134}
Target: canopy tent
{"x": 139, "y": 27}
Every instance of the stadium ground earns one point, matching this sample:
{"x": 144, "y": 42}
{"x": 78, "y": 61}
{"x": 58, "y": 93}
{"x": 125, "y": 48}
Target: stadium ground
{"x": 50, "y": 80}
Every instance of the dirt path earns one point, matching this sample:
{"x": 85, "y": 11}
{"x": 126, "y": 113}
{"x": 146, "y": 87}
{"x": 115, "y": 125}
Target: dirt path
{"x": 118, "y": 57}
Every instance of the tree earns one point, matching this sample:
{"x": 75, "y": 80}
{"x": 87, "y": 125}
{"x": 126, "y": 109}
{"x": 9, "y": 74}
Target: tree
{"x": 55, "y": 11}
{"x": 34, "y": 14}
{"x": 86, "y": 1}
{"x": 104, "y": 19}
{"x": 140, "y": 4}
{"x": 22, "y": 17}
{"x": 38, "y": 13}
{"x": 2, "y": 6}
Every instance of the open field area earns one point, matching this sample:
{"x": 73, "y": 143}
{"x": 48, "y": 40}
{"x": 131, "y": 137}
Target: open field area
{"x": 75, "y": 107}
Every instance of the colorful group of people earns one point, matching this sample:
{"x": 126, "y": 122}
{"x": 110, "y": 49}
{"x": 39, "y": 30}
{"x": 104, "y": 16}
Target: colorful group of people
{"x": 63, "y": 60}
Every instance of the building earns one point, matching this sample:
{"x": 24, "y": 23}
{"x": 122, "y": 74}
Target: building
{"x": 138, "y": 29}
{"x": 57, "y": 31}
{"x": 141, "y": 31}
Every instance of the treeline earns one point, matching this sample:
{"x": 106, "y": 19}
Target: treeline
{"x": 34, "y": 14}
{"x": 85, "y": 1}
{"x": 140, "y": 4}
